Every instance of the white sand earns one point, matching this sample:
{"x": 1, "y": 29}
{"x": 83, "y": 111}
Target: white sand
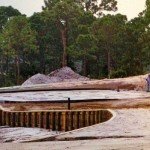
{"x": 23, "y": 134}
{"x": 74, "y": 95}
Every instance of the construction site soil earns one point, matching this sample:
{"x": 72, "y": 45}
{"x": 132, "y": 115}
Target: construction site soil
{"x": 128, "y": 129}
{"x": 65, "y": 74}
{"x": 109, "y": 104}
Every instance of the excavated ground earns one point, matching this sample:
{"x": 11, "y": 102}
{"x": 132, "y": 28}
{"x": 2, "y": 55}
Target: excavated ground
{"x": 128, "y": 129}
{"x": 102, "y": 99}
{"x": 109, "y": 104}
{"x": 129, "y": 126}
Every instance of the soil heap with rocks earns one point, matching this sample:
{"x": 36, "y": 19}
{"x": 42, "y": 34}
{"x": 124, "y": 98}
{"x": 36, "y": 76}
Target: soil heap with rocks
{"x": 65, "y": 74}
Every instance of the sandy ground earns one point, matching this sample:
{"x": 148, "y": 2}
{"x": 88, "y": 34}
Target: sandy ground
{"x": 128, "y": 129}
{"x": 129, "y": 83}
{"x": 21, "y": 134}
{"x": 73, "y": 94}
{"x": 125, "y": 123}
{"x": 103, "y": 144}
{"x": 105, "y": 99}
{"x": 110, "y": 104}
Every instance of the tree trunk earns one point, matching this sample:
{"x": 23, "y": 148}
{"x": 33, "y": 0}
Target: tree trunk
{"x": 1, "y": 66}
{"x": 85, "y": 65}
{"x": 2, "y": 76}
{"x": 109, "y": 63}
{"x": 17, "y": 70}
{"x": 42, "y": 61}
{"x": 64, "y": 42}
{"x": 7, "y": 64}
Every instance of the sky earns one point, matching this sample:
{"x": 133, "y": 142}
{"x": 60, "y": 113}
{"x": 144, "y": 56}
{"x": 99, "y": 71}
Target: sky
{"x": 131, "y": 8}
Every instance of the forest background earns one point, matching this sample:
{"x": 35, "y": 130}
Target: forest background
{"x": 74, "y": 33}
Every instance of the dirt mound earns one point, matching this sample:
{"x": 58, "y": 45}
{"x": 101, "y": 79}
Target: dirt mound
{"x": 67, "y": 74}
{"x": 40, "y": 79}
{"x": 64, "y": 74}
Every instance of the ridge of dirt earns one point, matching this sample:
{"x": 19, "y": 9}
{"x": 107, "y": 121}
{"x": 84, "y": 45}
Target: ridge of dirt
{"x": 65, "y": 74}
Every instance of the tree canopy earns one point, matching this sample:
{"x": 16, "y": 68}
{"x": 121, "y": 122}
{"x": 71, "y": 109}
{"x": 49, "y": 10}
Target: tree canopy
{"x": 6, "y": 13}
{"x": 74, "y": 33}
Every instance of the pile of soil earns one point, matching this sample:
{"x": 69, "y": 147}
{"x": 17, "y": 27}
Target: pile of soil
{"x": 64, "y": 74}
{"x": 67, "y": 74}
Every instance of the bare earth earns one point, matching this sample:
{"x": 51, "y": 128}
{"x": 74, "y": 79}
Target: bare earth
{"x": 104, "y": 99}
{"x": 22, "y": 134}
{"x": 103, "y": 144}
{"x": 65, "y": 74}
{"x": 137, "y": 83}
{"x": 128, "y": 129}
{"x": 53, "y": 96}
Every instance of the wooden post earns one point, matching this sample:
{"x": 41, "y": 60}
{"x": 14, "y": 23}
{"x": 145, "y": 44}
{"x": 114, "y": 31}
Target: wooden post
{"x": 35, "y": 119}
{"x": 80, "y": 119}
{"x": 47, "y": 120}
{"x": 91, "y": 118}
{"x": 29, "y": 119}
{"x": 73, "y": 120}
{"x": 3, "y": 118}
{"x": 19, "y": 119}
{"x": 67, "y": 121}
{"x": 96, "y": 117}
{"x": 8, "y": 118}
{"x": 56, "y": 121}
{"x": 77, "y": 120}
{"x": 101, "y": 116}
{"x": 94, "y": 120}
{"x": 13, "y": 119}
{"x": 16, "y": 119}
{"x": 59, "y": 121}
{"x": 68, "y": 103}
{"x": 41, "y": 120}
{"x": 64, "y": 121}
{"x": 70, "y": 124}
{"x": 83, "y": 119}
{"x": 53, "y": 121}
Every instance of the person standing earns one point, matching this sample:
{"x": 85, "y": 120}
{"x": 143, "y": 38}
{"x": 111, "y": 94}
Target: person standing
{"x": 148, "y": 83}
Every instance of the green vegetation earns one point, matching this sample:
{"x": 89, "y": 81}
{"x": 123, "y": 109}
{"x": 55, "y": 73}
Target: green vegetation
{"x": 71, "y": 31}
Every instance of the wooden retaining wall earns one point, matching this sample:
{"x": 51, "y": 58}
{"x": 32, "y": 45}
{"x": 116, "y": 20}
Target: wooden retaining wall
{"x": 54, "y": 120}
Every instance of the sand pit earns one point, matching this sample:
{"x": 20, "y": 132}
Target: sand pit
{"x": 128, "y": 129}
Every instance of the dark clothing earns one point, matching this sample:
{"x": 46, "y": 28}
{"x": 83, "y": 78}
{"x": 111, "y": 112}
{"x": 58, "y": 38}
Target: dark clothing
{"x": 148, "y": 83}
